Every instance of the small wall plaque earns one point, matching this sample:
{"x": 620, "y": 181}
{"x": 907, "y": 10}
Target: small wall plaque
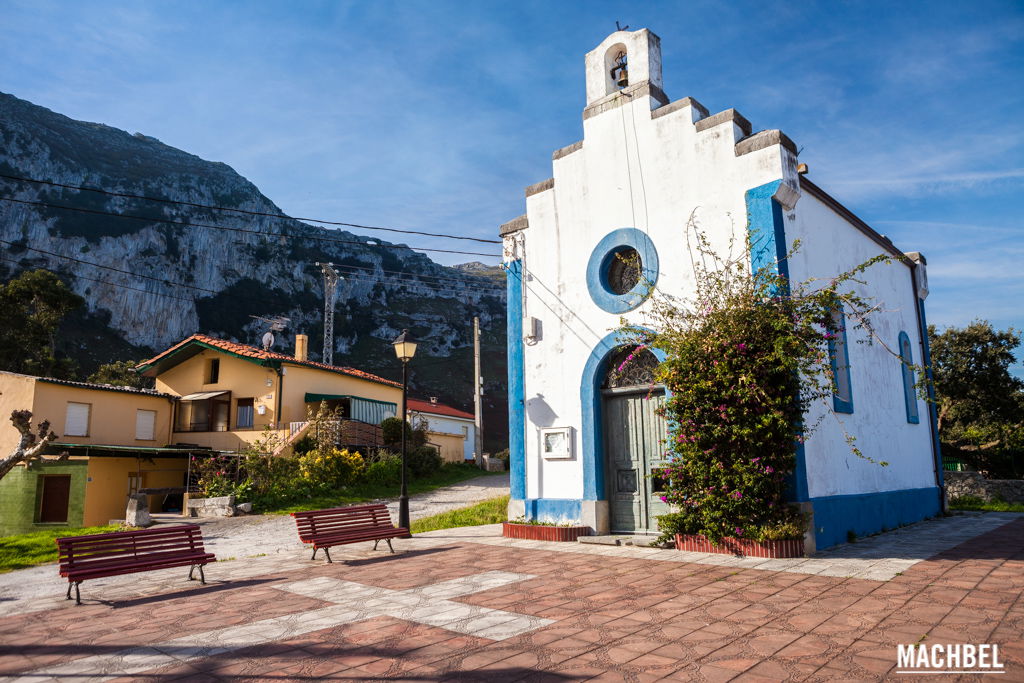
{"x": 556, "y": 442}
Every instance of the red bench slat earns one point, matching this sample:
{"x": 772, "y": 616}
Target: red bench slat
{"x": 338, "y": 526}
{"x": 127, "y": 552}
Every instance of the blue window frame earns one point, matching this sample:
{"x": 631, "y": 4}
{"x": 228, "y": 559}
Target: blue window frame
{"x": 839, "y": 355}
{"x": 909, "y": 391}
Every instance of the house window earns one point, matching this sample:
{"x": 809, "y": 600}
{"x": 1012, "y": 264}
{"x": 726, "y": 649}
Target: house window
{"x": 76, "y": 423}
{"x": 465, "y": 431}
{"x": 210, "y": 414}
{"x": 839, "y": 355}
{"x": 54, "y": 496}
{"x": 243, "y": 419}
{"x": 145, "y": 425}
{"x": 213, "y": 371}
{"x": 906, "y": 365}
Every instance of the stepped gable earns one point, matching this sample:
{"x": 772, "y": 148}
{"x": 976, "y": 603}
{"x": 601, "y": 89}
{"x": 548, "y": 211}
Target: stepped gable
{"x": 246, "y": 351}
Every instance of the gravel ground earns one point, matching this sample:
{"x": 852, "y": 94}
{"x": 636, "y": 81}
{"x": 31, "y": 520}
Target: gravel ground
{"x": 249, "y": 535}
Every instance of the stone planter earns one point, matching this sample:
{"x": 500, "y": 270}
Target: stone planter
{"x": 741, "y": 546}
{"x": 540, "y": 532}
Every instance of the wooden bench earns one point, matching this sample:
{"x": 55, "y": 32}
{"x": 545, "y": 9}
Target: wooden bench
{"x": 338, "y": 526}
{"x": 127, "y": 552}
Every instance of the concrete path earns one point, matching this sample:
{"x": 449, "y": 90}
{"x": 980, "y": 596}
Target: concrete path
{"x": 467, "y": 605}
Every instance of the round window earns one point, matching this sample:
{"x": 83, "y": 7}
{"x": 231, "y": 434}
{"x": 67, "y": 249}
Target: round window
{"x": 623, "y": 271}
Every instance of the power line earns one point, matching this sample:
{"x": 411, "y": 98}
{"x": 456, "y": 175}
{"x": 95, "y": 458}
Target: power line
{"x": 410, "y": 283}
{"x": 86, "y": 188}
{"x": 148, "y": 219}
{"x": 366, "y": 274}
{"x": 116, "y": 270}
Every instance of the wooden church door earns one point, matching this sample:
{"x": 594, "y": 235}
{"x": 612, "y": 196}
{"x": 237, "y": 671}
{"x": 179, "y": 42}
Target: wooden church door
{"x": 634, "y": 436}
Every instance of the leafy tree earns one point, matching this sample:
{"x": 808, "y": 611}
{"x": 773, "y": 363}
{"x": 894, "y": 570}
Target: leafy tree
{"x": 121, "y": 373}
{"x": 32, "y": 306}
{"x": 980, "y": 403}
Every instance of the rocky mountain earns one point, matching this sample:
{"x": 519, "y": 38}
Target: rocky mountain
{"x": 181, "y": 269}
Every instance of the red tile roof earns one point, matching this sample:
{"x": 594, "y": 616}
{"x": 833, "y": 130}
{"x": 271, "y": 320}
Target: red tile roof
{"x": 247, "y": 351}
{"x": 419, "y": 406}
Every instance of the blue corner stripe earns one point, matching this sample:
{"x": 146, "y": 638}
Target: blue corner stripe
{"x": 516, "y": 405}
{"x": 600, "y": 258}
{"x": 768, "y": 248}
{"x": 592, "y": 455}
{"x": 870, "y": 513}
{"x": 767, "y": 230}
{"x": 553, "y": 509}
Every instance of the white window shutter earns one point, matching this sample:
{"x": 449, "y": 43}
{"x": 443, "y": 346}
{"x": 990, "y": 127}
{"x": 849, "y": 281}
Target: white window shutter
{"x": 145, "y": 425}
{"x": 77, "y": 421}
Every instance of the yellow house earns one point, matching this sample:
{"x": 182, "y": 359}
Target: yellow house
{"x": 230, "y": 393}
{"x": 117, "y": 440}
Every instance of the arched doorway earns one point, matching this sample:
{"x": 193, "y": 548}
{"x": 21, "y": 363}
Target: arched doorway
{"x": 634, "y": 441}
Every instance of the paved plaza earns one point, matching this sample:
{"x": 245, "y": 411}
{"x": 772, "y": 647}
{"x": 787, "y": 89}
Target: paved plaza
{"x": 466, "y": 604}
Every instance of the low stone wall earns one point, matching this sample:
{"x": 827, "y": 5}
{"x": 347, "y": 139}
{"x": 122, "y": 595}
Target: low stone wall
{"x": 959, "y": 484}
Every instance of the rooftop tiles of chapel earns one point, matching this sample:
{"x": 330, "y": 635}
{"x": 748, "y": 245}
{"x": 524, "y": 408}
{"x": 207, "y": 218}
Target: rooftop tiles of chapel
{"x": 623, "y": 617}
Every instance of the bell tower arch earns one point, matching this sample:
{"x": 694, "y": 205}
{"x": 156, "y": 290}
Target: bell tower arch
{"x": 623, "y": 59}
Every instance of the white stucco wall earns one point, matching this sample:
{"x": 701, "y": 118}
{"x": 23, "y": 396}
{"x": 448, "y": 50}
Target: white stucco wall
{"x": 831, "y": 245}
{"x": 633, "y": 171}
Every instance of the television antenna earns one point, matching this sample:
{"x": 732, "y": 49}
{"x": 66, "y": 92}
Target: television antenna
{"x": 278, "y": 323}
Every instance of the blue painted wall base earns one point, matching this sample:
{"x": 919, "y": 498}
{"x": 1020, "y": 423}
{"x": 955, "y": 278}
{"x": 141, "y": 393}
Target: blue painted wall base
{"x": 870, "y": 513}
{"x": 553, "y": 509}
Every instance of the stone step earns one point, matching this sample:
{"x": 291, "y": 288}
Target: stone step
{"x": 620, "y": 539}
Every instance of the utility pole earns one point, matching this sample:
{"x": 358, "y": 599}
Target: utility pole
{"x": 331, "y": 279}
{"x": 478, "y": 385}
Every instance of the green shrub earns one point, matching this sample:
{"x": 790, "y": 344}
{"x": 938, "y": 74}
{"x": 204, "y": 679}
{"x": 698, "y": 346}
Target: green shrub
{"x": 384, "y": 471}
{"x": 304, "y": 445}
{"x": 392, "y": 433}
{"x": 424, "y": 461}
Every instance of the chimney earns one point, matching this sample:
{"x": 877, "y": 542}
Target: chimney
{"x": 301, "y": 347}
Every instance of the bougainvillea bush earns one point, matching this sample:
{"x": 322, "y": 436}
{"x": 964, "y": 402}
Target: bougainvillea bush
{"x": 745, "y": 359}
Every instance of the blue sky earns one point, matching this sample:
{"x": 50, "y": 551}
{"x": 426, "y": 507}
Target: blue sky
{"x": 435, "y": 115}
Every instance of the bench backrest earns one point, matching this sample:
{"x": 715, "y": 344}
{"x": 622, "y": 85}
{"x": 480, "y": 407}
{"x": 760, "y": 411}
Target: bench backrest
{"x": 315, "y": 523}
{"x": 79, "y": 551}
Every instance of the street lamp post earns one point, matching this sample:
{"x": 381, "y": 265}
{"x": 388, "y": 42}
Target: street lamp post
{"x": 405, "y": 349}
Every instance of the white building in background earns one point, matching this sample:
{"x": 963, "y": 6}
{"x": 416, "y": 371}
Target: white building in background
{"x": 583, "y": 444}
{"x": 452, "y": 430}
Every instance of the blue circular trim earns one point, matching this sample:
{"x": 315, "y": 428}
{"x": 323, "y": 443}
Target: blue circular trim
{"x": 597, "y": 267}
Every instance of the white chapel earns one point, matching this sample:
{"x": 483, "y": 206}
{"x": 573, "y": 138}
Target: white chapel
{"x": 583, "y": 442}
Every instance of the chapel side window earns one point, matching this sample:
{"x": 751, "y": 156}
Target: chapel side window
{"x": 839, "y": 355}
{"x": 907, "y": 369}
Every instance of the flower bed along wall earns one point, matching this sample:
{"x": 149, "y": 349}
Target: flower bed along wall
{"x": 542, "y": 532}
{"x": 740, "y": 546}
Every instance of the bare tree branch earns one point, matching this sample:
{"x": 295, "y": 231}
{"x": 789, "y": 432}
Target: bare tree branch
{"x": 31, "y": 444}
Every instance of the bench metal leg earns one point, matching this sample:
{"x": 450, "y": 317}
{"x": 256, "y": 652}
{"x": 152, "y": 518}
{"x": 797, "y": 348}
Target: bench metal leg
{"x": 202, "y": 576}
{"x": 327, "y": 552}
{"x": 69, "y": 589}
{"x": 78, "y": 595}
{"x": 389, "y": 545}
{"x": 375, "y": 543}
{"x": 314, "y": 554}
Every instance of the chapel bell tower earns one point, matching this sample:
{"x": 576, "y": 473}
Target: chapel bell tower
{"x": 623, "y": 61}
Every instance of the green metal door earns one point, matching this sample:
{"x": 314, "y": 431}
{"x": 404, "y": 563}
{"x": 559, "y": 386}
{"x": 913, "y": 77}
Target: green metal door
{"x": 634, "y": 438}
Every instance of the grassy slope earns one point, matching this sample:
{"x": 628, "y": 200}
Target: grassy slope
{"x": 38, "y": 547}
{"x": 973, "y": 503}
{"x": 361, "y": 493}
{"x": 491, "y": 511}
